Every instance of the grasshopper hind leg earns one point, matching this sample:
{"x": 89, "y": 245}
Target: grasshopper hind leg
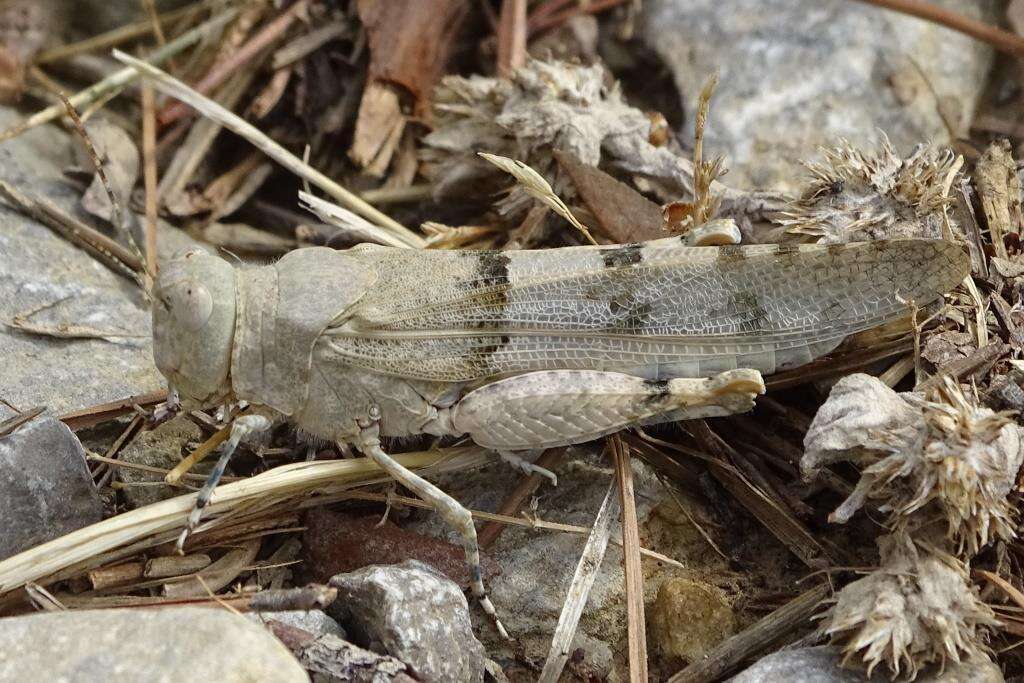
{"x": 451, "y": 511}
{"x": 241, "y": 428}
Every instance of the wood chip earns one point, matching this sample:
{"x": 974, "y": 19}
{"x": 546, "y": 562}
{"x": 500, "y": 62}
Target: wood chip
{"x": 624, "y": 214}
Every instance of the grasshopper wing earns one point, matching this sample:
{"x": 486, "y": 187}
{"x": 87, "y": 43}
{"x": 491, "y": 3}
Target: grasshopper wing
{"x": 656, "y": 309}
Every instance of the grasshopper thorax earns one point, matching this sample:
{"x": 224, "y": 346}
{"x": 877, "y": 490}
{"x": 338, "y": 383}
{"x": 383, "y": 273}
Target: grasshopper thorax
{"x": 193, "y": 325}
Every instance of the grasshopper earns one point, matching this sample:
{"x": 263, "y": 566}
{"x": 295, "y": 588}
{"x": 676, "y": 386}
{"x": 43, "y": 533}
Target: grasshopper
{"x": 519, "y": 350}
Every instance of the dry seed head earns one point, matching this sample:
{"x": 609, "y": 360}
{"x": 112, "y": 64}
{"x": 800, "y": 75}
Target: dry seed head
{"x": 943, "y": 458}
{"x": 916, "y": 609}
{"x": 856, "y": 195}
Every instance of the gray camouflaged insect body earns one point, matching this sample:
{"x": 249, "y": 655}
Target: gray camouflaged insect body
{"x": 521, "y": 350}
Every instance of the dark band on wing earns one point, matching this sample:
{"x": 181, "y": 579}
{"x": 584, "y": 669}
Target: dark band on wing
{"x": 626, "y": 255}
{"x": 492, "y": 274}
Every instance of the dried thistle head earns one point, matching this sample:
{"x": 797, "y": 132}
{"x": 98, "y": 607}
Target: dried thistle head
{"x": 941, "y": 458}
{"x": 967, "y": 467}
{"x": 856, "y": 195}
{"x": 542, "y": 107}
{"x": 916, "y": 609}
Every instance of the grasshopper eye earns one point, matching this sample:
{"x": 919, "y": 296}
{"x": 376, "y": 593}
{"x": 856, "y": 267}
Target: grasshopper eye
{"x": 191, "y": 304}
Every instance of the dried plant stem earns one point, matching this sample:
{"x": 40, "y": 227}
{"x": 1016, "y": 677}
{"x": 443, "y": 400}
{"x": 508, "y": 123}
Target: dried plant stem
{"x": 763, "y": 634}
{"x": 207, "y": 107}
{"x": 117, "y": 210}
{"x": 1001, "y": 40}
{"x": 634, "y": 577}
{"x": 237, "y": 59}
{"x": 579, "y": 589}
{"x": 107, "y": 251}
{"x": 104, "y": 412}
{"x": 116, "y": 81}
{"x": 119, "y": 35}
{"x": 511, "y": 36}
{"x": 196, "y": 456}
{"x": 268, "y": 495}
{"x": 149, "y": 174}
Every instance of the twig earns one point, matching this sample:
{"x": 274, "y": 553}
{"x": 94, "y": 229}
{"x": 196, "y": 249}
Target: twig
{"x": 115, "y": 203}
{"x": 236, "y": 60}
{"x": 149, "y": 174}
{"x": 398, "y": 195}
{"x": 582, "y": 581}
{"x": 280, "y": 491}
{"x": 110, "y": 253}
{"x": 1001, "y": 40}
{"x": 104, "y": 412}
{"x": 308, "y": 44}
{"x": 217, "y": 575}
{"x": 634, "y": 577}
{"x": 116, "y": 81}
{"x": 511, "y": 36}
{"x": 172, "y": 86}
{"x": 766, "y": 632}
{"x": 196, "y": 456}
{"x": 15, "y": 421}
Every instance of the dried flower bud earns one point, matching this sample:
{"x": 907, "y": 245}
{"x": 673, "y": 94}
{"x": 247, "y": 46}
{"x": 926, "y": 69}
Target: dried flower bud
{"x": 916, "y": 609}
{"x": 943, "y": 458}
{"x": 859, "y": 196}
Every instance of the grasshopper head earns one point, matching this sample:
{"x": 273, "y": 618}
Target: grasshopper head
{"x": 193, "y": 325}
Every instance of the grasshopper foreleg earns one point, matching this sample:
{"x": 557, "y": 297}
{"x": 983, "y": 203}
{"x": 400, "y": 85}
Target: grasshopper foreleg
{"x": 243, "y": 427}
{"x": 451, "y": 511}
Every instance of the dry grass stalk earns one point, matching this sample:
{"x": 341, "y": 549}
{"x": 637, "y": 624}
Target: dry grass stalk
{"x": 149, "y": 175}
{"x": 356, "y": 226}
{"x": 207, "y": 107}
{"x": 117, "y": 81}
{"x": 634, "y": 577}
{"x": 579, "y": 589}
{"x": 533, "y": 184}
{"x": 1002, "y": 40}
{"x": 280, "y": 491}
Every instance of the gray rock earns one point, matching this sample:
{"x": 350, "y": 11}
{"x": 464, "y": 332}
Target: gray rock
{"x": 172, "y": 644}
{"x": 38, "y": 269}
{"x": 537, "y": 566}
{"x": 796, "y": 74}
{"x": 821, "y": 665}
{"x": 45, "y": 487}
{"x": 162, "y": 448}
{"x": 314, "y": 621}
{"x": 414, "y": 614}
